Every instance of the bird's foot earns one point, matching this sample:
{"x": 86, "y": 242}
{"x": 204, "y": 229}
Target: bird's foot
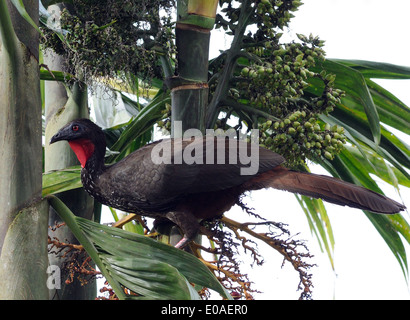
{"x": 182, "y": 243}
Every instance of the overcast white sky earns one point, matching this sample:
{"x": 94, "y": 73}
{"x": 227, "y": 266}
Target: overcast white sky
{"x": 365, "y": 268}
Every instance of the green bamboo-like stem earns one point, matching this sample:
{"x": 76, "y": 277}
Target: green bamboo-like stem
{"x": 190, "y": 87}
{"x": 188, "y": 108}
{"x": 193, "y": 52}
{"x": 23, "y": 218}
{"x": 200, "y": 13}
{"x": 205, "y": 8}
{"x": 20, "y": 122}
{"x": 190, "y": 96}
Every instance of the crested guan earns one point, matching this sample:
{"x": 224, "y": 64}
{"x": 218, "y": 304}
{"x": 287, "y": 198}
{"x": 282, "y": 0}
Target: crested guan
{"x": 186, "y": 193}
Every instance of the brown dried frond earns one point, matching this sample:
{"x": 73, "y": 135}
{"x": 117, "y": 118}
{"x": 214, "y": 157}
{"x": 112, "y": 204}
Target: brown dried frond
{"x": 76, "y": 262}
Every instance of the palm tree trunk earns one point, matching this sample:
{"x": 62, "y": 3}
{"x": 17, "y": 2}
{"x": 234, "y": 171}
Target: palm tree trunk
{"x": 189, "y": 87}
{"x": 23, "y": 218}
{"x": 61, "y": 106}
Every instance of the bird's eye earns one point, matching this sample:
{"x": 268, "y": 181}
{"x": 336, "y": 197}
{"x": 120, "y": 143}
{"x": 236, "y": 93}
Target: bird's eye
{"x": 75, "y": 128}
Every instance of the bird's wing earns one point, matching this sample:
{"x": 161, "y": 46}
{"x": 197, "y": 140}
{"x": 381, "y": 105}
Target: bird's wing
{"x": 193, "y": 166}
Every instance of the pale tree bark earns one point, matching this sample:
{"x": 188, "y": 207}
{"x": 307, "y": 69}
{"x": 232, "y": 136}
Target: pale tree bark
{"x": 64, "y": 103}
{"x": 23, "y": 218}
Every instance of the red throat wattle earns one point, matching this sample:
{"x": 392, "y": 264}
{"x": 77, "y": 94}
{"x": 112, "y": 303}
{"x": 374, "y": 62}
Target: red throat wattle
{"x": 83, "y": 148}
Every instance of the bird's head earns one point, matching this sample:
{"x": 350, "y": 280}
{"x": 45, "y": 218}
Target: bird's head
{"x": 84, "y": 137}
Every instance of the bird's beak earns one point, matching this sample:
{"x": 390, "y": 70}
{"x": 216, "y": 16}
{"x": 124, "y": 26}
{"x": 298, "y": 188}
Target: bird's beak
{"x": 55, "y": 138}
{"x": 63, "y": 134}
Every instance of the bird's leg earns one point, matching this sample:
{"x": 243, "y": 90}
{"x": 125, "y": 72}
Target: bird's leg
{"x": 182, "y": 243}
{"x": 187, "y": 222}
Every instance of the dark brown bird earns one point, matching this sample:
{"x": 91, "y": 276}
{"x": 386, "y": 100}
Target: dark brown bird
{"x": 186, "y": 193}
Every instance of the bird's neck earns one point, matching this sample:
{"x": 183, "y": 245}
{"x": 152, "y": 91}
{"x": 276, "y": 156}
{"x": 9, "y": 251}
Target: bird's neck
{"x": 90, "y": 155}
{"x": 93, "y": 168}
{"x": 95, "y": 164}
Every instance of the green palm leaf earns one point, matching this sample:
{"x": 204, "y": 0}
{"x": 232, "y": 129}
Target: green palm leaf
{"x": 374, "y": 149}
{"x": 62, "y": 180}
{"x": 150, "y": 268}
{"x": 379, "y": 70}
{"x": 143, "y": 122}
{"x": 391, "y": 110}
{"x": 319, "y": 224}
{"x": 354, "y": 84}
{"x": 152, "y": 279}
{"x": 389, "y": 226}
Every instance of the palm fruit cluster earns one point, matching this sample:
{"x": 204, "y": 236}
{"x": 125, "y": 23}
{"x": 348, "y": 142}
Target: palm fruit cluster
{"x": 274, "y": 79}
{"x": 298, "y": 137}
{"x": 268, "y": 14}
{"x": 165, "y": 123}
{"x": 277, "y": 86}
{"x": 275, "y": 14}
{"x": 113, "y": 38}
{"x": 280, "y": 75}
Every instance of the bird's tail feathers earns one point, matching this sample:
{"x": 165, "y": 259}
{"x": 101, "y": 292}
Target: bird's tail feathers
{"x": 330, "y": 189}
